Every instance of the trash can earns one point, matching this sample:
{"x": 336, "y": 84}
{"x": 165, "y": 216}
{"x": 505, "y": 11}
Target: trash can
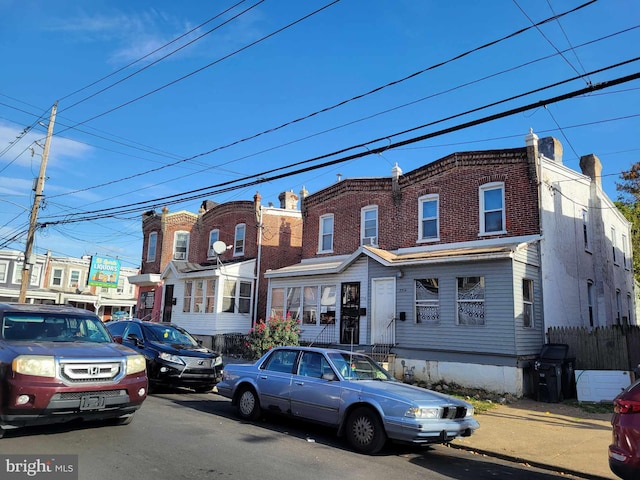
{"x": 554, "y": 373}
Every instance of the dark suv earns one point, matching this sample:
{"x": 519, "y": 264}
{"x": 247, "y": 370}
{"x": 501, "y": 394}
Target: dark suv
{"x": 174, "y": 357}
{"x": 59, "y": 363}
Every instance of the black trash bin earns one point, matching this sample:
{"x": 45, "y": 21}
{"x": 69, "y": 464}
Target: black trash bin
{"x": 554, "y": 373}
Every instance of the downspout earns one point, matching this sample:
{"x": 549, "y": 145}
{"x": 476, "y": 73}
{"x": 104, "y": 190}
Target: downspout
{"x": 259, "y": 225}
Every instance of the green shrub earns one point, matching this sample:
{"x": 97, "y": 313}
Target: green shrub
{"x": 275, "y": 332}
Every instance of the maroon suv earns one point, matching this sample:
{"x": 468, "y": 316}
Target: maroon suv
{"x": 624, "y": 451}
{"x": 59, "y": 363}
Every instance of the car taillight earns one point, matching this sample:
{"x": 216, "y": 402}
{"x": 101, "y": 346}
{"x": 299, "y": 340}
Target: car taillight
{"x": 626, "y": 406}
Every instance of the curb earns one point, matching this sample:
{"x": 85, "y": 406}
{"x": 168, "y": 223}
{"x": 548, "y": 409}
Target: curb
{"x": 542, "y": 466}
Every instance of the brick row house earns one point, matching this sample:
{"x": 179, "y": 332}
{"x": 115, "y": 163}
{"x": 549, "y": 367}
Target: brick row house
{"x": 458, "y": 268}
{"x": 455, "y": 269}
{"x": 185, "y": 280}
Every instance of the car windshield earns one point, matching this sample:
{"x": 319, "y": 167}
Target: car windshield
{"x": 166, "y": 334}
{"x": 358, "y": 367}
{"x": 47, "y": 327}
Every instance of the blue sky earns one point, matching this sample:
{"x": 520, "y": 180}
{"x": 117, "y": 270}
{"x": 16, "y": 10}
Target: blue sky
{"x": 271, "y": 83}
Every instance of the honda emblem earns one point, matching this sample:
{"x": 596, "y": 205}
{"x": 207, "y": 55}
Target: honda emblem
{"x": 94, "y": 371}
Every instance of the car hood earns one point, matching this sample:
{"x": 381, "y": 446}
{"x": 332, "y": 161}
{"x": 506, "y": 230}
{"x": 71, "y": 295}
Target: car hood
{"x": 403, "y": 391}
{"x": 71, "y": 349}
{"x": 186, "y": 350}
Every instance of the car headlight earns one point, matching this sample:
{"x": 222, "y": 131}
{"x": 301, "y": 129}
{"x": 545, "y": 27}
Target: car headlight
{"x": 171, "y": 358}
{"x": 217, "y": 361}
{"x": 470, "y": 412}
{"x": 416, "y": 412}
{"x": 38, "y": 365}
{"x": 135, "y": 364}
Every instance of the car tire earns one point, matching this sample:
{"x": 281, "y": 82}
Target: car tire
{"x": 365, "y": 432}
{"x": 123, "y": 420}
{"x": 2, "y": 432}
{"x": 248, "y": 404}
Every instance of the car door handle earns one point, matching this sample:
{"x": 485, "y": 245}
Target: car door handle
{"x": 299, "y": 382}
{"x": 263, "y": 377}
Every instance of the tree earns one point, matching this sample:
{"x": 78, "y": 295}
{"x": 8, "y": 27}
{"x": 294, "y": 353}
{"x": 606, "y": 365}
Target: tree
{"x": 629, "y": 205}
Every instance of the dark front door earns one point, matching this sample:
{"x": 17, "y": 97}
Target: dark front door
{"x": 168, "y": 303}
{"x": 350, "y": 313}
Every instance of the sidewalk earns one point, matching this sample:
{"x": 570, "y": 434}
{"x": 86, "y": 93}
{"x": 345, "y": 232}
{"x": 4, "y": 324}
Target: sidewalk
{"x": 554, "y": 436}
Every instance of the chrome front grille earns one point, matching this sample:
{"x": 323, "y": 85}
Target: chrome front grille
{"x": 78, "y": 395}
{"x": 95, "y": 371}
{"x": 197, "y": 362}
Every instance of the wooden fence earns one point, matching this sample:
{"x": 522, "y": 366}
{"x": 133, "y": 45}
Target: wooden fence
{"x": 601, "y": 348}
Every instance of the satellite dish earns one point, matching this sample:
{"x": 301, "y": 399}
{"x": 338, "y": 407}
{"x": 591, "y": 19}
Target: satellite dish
{"x": 219, "y": 247}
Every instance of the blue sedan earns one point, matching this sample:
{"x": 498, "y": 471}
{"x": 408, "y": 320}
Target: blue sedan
{"x": 348, "y": 391}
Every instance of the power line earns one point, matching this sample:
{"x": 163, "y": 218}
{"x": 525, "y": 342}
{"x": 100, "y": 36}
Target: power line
{"x": 326, "y": 109}
{"x": 147, "y": 56}
{"x": 98, "y": 214}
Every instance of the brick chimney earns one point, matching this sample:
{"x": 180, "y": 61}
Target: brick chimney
{"x": 591, "y": 167}
{"x": 288, "y": 201}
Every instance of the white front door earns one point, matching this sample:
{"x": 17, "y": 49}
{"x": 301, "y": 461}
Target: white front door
{"x": 383, "y": 306}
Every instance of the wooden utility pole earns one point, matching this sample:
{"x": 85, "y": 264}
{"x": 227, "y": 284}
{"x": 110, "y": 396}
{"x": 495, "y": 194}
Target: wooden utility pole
{"x": 33, "y": 221}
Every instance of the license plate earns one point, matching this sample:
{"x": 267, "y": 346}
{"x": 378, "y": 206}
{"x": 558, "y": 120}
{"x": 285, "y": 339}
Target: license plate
{"x": 92, "y": 402}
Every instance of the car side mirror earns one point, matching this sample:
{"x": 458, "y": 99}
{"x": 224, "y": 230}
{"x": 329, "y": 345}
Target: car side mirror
{"x": 117, "y": 339}
{"x": 134, "y": 338}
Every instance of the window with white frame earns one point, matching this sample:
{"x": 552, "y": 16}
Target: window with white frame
{"x": 470, "y": 300}
{"x": 56, "y": 277}
{"x": 492, "y": 212}
{"x": 198, "y": 296}
{"x": 151, "y": 247}
{"x": 318, "y": 305}
{"x": 429, "y": 208}
{"x": 214, "y": 236}
{"x": 585, "y": 230}
{"x": 325, "y": 242}
{"x": 188, "y": 295}
{"x": 427, "y": 301}
{"x": 238, "y": 245}
{"x": 34, "y": 274}
{"x": 4, "y": 268}
{"x": 74, "y": 279}
{"x": 614, "y": 245}
{"x": 181, "y": 246}
{"x": 236, "y": 296}
{"x": 210, "y": 296}
{"x": 277, "y": 302}
{"x": 369, "y": 225}
{"x": 293, "y": 306}
{"x": 590, "y": 301}
{"x": 527, "y": 303}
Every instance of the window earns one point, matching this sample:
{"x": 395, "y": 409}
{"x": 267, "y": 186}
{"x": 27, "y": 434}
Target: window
{"x": 428, "y": 207}
{"x": 198, "y": 296}
{"x": 56, "y": 277}
{"x": 188, "y": 293}
{"x": 151, "y": 247}
{"x": 238, "y": 249}
{"x": 181, "y": 246}
{"x": 590, "y": 301}
{"x": 310, "y": 306}
{"x": 613, "y": 245}
{"x": 214, "y": 236}
{"x": 328, "y": 305}
{"x": 236, "y": 293}
{"x": 210, "y": 296}
{"x": 527, "y": 303}
{"x": 585, "y": 229}
{"x": 618, "y": 308}
{"x": 470, "y": 301}
{"x": 293, "y": 303}
{"x": 427, "y": 301}
{"x": 325, "y": 241}
{"x": 35, "y": 272}
{"x": 120, "y": 287}
{"x": 74, "y": 279}
{"x": 277, "y": 302}
{"x": 492, "y": 215}
{"x": 4, "y": 267}
{"x": 316, "y": 299}
{"x": 369, "y": 225}
{"x": 625, "y": 246}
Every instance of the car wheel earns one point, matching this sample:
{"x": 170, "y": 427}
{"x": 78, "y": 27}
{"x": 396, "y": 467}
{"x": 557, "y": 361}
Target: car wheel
{"x": 248, "y": 404}
{"x": 2, "y": 431}
{"x": 365, "y": 432}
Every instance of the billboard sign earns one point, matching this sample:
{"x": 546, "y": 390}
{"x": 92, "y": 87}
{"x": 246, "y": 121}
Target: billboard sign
{"x": 104, "y": 272}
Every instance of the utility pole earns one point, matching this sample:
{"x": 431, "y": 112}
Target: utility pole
{"x": 33, "y": 221}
